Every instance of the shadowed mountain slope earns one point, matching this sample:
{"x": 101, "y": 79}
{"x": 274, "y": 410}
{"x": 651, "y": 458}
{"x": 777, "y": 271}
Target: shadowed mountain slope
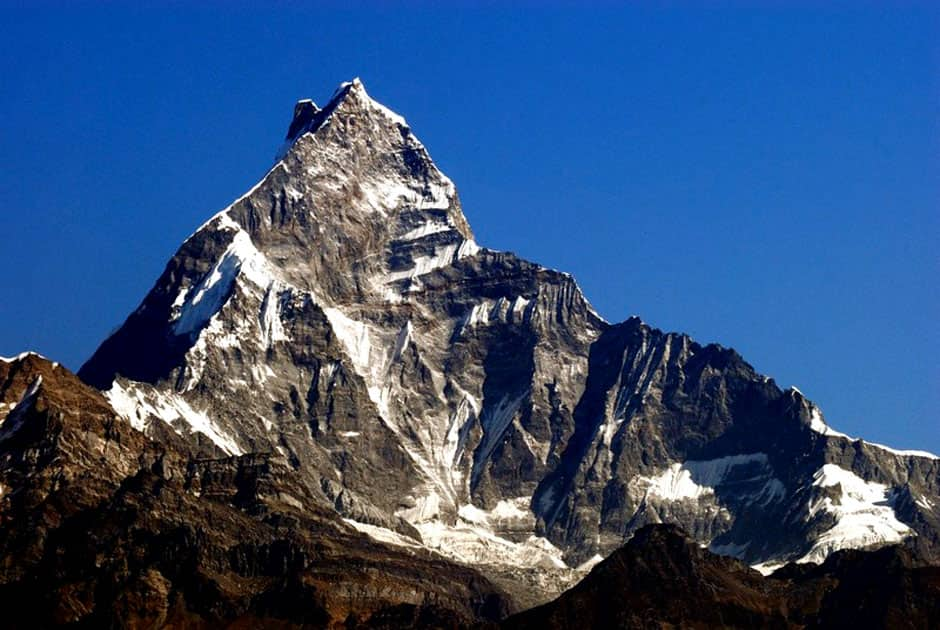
{"x": 102, "y": 527}
{"x": 661, "y": 579}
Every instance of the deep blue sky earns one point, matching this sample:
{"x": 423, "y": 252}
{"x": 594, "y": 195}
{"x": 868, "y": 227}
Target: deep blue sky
{"x": 766, "y": 179}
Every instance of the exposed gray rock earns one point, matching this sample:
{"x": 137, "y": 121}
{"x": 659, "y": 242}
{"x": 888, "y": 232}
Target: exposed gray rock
{"x": 341, "y": 315}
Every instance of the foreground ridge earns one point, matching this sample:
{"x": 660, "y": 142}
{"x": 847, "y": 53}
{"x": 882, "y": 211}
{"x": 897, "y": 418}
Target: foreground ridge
{"x": 438, "y": 394}
{"x": 663, "y": 579}
{"x": 103, "y": 527}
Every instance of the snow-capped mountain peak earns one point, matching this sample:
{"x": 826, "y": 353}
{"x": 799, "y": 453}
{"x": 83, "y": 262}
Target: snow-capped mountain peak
{"x": 436, "y": 393}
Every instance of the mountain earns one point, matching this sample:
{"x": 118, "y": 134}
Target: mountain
{"x": 341, "y": 317}
{"x": 102, "y": 527}
{"x": 663, "y": 579}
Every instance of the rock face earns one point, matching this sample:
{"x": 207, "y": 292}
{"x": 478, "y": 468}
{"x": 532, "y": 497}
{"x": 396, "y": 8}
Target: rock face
{"x": 340, "y": 316}
{"x": 102, "y": 527}
{"x": 662, "y": 579}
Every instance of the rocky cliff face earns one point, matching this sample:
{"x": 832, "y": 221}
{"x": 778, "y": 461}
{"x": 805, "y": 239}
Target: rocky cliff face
{"x": 669, "y": 431}
{"x": 102, "y": 527}
{"x": 340, "y": 316}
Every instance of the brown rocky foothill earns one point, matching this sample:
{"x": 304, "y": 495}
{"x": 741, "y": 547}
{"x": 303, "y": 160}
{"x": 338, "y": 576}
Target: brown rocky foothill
{"x": 103, "y": 527}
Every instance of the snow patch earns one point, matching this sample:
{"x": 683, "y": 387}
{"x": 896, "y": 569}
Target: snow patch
{"x": 261, "y": 373}
{"x": 863, "y": 512}
{"x": 457, "y": 432}
{"x": 136, "y": 406}
{"x": 818, "y": 424}
{"x": 272, "y": 329}
{"x": 196, "y": 305}
{"x": 443, "y": 256}
{"x": 356, "y": 339}
{"x": 590, "y": 563}
{"x": 31, "y": 392}
{"x": 425, "y": 229}
{"x": 13, "y": 420}
{"x": 495, "y": 421}
{"x": 766, "y": 568}
{"x": 507, "y": 513}
{"x": 693, "y": 480}
{"x": 354, "y": 336}
{"x": 515, "y": 310}
{"x": 475, "y": 545}
{"x": 402, "y": 340}
{"x": 512, "y": 509}
{"x": 467, "y": 249}
{"x": 383, "y": 534}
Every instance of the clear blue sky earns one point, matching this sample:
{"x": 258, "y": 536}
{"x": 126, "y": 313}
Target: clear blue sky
{"x": 767, "y": 179}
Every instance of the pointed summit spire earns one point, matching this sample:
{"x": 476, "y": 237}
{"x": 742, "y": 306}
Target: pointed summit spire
{"x": 347, "y": 87}
{"x": 350, "y": 96}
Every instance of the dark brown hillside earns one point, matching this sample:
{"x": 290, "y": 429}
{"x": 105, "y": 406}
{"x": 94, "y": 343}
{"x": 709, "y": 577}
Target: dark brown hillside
{"x": 661, "y": 579}
{"x": 100, "y": 527}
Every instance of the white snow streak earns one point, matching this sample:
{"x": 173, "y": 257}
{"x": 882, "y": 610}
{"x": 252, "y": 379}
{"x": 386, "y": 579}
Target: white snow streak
{"x": 23, "y": 355}
{"x": 495, "y": 421}
{"x": 818, "y": 424}
{"x": 199, "y": 303}
{"x": 903, "y": 453}
{"x": 425, "y": 229}
{"x": 136, "y": 406}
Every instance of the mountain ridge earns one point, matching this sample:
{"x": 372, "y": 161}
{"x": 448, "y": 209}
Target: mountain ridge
{"x": 341, "y": 314}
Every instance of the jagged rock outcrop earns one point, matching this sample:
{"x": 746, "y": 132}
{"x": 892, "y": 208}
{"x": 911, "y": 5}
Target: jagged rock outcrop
{"x": 341, "y": 316}
{"x": 102, "y": 527}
